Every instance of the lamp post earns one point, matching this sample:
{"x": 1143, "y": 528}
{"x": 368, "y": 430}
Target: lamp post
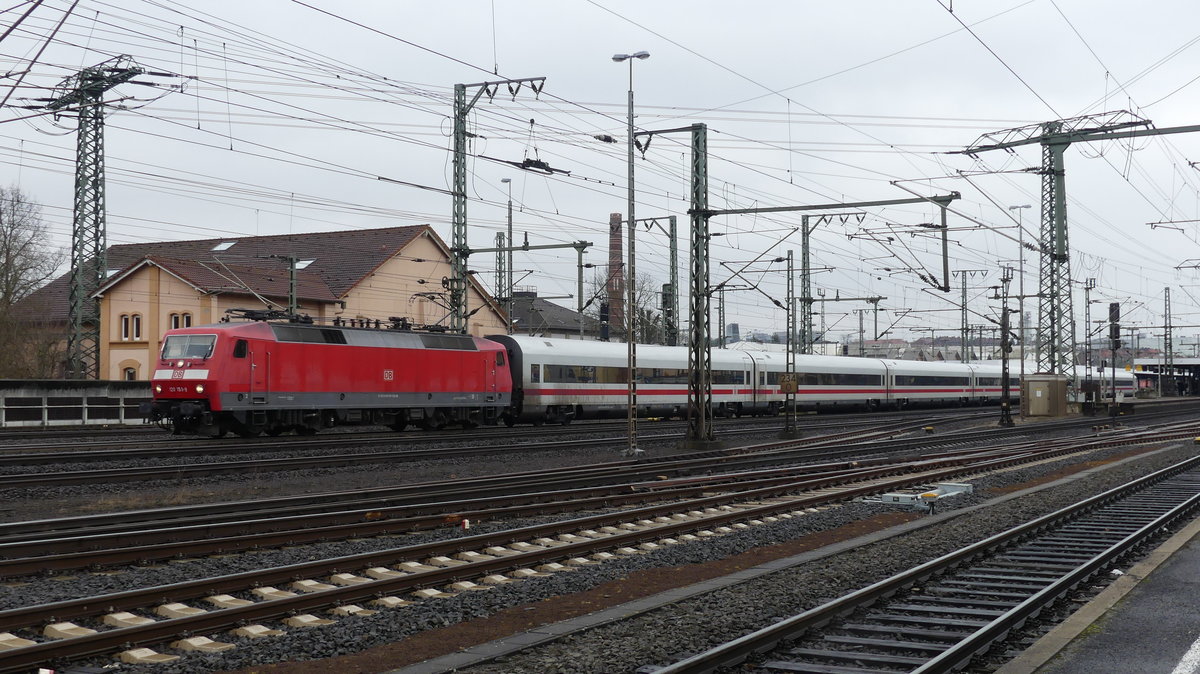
{"x": 631, "y": 309}
{"x": 1020, "y": 282}
{"x": 508, "y": 301}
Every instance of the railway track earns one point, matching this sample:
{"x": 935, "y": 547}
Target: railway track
{"x": 938, "y": 616}
{"x": 332, "y": 459}
{"x": 79, "y": 449}
{"x": 75, "y": 541}
{"x": 26, "y": 549}
{"x": 389, "y": 577}
{"x": 177, "y": 471}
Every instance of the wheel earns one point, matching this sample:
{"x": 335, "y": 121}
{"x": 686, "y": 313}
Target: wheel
{"x": 398, "y": 426}
{"x": 248, "y": 432}
{"x": 434, "y": 422}
{"x": 538, "y": 421}
{"x": 305, "y": 430}
{"x": 275, "y": 431}
{"x": 509, "y": 420}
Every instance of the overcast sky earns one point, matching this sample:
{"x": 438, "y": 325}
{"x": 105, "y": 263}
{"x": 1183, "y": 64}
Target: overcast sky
{"x": 274, "y": 117}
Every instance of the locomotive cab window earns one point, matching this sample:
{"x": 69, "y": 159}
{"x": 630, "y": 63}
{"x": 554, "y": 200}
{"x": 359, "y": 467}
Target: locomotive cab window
{"x": 188, "y": 346}
{"x": 499, "y": 359}
{"x": 240, "y": 348}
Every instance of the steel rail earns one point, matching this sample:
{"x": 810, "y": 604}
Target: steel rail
{"x": 109, "y": 640}
{"x": 44, "y": 453}
{"x": 75, "y": 549}
{"x": 493, "y": 485}
{"x": 583, "y": 478}
{"x": 184, "y": 471}
{"x": 739, "y": 650}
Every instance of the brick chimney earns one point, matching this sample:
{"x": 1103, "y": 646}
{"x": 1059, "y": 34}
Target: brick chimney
{"x": 616, "y": 275}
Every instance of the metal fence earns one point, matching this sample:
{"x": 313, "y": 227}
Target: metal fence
{"x": 26, "y": 403}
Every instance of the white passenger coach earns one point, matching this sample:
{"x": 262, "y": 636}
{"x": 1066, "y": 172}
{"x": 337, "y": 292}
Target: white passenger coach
{"x": 563, "y": 379}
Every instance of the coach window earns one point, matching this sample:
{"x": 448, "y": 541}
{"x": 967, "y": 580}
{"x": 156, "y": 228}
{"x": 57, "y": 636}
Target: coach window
{"x": 535, "y": 373}
{"x": 728, "y": 377}
{"x": 130, "y": 374}
{"x": 240, "y": 348}
{"x": 125, "y": 327}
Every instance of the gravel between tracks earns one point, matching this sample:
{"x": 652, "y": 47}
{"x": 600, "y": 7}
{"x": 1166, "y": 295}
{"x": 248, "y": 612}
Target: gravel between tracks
{"x": 20, "y": 504}
{"x": 658, "y": 637}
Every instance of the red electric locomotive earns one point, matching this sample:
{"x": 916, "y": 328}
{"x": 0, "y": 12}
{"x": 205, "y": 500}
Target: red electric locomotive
{"x": 259, "y": 377}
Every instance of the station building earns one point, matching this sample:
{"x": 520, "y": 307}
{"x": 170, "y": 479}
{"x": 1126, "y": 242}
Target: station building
{"x": 1152, "y": 372}
{"x": 354, "y": 277}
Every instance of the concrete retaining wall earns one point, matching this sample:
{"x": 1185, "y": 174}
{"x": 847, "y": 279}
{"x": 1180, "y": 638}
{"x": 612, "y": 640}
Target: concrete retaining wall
{"x": 58, "y": 402}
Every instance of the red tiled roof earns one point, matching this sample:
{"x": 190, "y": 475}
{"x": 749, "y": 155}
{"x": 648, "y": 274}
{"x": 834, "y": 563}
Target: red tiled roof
{"x": 269, "y": 281}
{"x": 339, "y": 261}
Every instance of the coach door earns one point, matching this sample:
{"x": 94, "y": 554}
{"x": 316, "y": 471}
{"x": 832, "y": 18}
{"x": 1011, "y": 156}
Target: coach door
{"x": 260, "y": 371}
{"x": 889, "y": 381}
{"x": 756, "y": 377}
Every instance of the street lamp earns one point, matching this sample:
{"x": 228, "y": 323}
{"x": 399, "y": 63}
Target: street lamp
{"x": 1021, "y": 282}
{"x": 509, "y": 281}
{"x": 630, "y": 309}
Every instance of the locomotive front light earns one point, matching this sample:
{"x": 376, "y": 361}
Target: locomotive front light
{"x": 199, "y": 388}
{"x": 179, "y": 363}
{"x": 158, "y": 388}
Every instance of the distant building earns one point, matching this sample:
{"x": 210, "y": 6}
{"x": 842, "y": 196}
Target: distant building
{"x": 532, "y": 315}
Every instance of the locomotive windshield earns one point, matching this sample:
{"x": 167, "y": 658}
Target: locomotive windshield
{"x": 188, "y": 346}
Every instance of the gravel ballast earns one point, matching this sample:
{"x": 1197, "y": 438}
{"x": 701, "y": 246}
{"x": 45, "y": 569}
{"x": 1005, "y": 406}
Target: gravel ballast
{"x": 659, "y": 637}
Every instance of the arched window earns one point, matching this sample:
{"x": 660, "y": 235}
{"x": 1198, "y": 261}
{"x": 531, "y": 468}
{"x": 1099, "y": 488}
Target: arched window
{"x": 137, "y": 328}
{"x": 125, "y": 327}
{"x": 129, "y": 374}
{"x": 175, "y": 321}
{"x": 187, "y": 320}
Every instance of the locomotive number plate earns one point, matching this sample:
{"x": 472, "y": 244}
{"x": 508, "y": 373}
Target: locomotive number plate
{"x": 387, "y": 375}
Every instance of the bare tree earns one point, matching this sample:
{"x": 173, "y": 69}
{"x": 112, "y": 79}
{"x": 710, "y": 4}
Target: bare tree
{"x": 27, "y": 262}
{"x": 650, "y": 328}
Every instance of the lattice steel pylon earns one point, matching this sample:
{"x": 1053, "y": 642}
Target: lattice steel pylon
{"x": 1056, "y": 327}
{"x": 1168, "y": 375}
{"x": 83, "y": 92}
{"x": 460, "y": 251}
{"x": 699, "y": 410}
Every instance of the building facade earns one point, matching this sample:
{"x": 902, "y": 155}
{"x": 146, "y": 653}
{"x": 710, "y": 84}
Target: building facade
{"x": 358, "y": 277}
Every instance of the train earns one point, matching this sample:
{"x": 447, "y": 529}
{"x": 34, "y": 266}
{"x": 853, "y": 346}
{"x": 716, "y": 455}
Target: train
{"x": 257, "y": 377}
